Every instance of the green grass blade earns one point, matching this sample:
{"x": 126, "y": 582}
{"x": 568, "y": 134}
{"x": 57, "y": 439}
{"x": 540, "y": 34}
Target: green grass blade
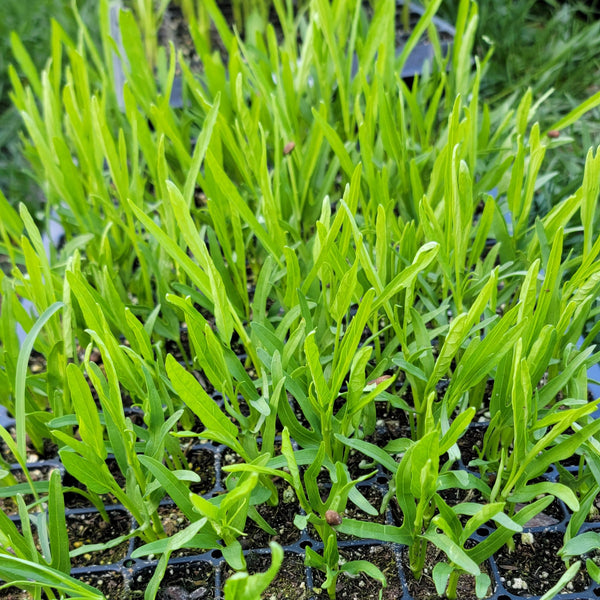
{"x": 21, "y": 375}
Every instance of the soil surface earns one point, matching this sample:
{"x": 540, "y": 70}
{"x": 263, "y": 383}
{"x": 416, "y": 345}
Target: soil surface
{"x": 425, "y": 588}
{"x": 202, "y": 462}
{"x": 48, "y": 452}
{"x": 12, "y": 593}
{"x": 290, "y": 583}
{"x": 9, "y": 504}
{"x": 362, "y": 587}
{"x": 280, "y": 518}
{"x": 470, "y": 443}
{"x": 534, "y": 566}
{"x": 181, "y": 582}
{"x": 91, "y": 528}
{"x": 110, "y": 583}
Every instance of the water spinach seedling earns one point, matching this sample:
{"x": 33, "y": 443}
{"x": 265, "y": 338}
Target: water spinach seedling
{"x": 251, "y": 587}
{"x": 324, "y": 516}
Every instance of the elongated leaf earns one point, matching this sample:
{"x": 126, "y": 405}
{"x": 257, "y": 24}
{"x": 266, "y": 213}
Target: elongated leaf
{"x": 18, "y": 569}
{"x": 354, "y": 567}
{"x": 529, "y": 492}
{"x": 567, "y": 576}
{"x": 250, "y": 587}
{"x": 200, "y": 150}
{"x": 370, "y": 450}
{"x": 374, "y": 531}
{"x": 94, "y": 475}
{"x": 498, "y": 538}
{"x": 176, "y": 541}
{"x": 173, "y": 486}
{"x": 206, "y": 409}
{"x": 222, "y": 306}
{"x": 21, "y": 374}
{"x": 90, "y": 428}
{"x": 57, "y": 525}
{"x": 425, "y": 255}
{"x": 441, "y": 573}
{"x": 453, "y": 551}
{"x": 581, "y": 544}
{"x": 238, "y": 204}
{"x": 456, "y": 430}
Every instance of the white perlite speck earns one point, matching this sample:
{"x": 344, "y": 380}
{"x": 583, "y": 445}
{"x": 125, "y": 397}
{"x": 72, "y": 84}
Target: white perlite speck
{"x": 519, "y": 584}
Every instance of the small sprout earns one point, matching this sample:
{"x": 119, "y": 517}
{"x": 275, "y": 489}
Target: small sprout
{"x": 553, "y": 133}
{"x": 527, "y": 538}
{"x": 288, "y": 147}
{"x": 333, "y": 518}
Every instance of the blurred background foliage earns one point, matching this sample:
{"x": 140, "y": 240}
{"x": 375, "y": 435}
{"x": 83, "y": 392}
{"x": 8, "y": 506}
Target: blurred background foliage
{"x": 30, "y": 19}
{"x": 545, "y": 45}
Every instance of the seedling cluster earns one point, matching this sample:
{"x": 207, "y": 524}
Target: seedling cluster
{"x": 325, "y": 271}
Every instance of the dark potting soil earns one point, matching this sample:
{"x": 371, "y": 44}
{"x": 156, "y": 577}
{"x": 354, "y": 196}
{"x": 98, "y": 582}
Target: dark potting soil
{"x": 12, "y": 593}
{"x": 470, "y": 443}
{"x": 290, "y": 583}
{"x": 280, "y": 518}
{"x": 534, "y": 566}
{"x": 91, "y": 528}
{"x": 181, "y": 582}
{"x": 202, "y": 462}
{"x": 110, "y": 583}
{"x": 173, "y": 521}
{"x": 360, "y": 465}
{"x": 48, "y": 452}
{"x": 172, "y": 347}
{"x": 375, "y": 498}
{"x": 9, "y": 504}
{"x": 174, "y": 28}
{"x": 455, "y": 496}
{"x": 362, "y": 587}
{"x": 425, "y": 587}
{"x": 393, "y": 420}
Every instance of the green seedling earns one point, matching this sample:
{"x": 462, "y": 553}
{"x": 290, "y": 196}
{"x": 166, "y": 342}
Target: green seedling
{"x": 46, "y": 570}
{"x": 581, "y": 544}
{"x": 324, "y": 516}
{"x": 251, "y": 587}
{"x": 217, "y": 523}
{"x": 535, "y": 445}
{"x": 85, "y": 456}
{"x": 449, "y": 535}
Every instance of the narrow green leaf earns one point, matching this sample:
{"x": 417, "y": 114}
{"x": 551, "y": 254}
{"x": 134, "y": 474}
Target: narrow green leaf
{"x": 374, "y": 531}
{"x": 173, "y": 486}
{"x": 21, "y": 374}
{"x": 196, "y": 398}
{"x": 86, "y": 411}
{"x": 453, "y": 551}
{"x": 567, "y": 576}
{"x": 59, "y": 540}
